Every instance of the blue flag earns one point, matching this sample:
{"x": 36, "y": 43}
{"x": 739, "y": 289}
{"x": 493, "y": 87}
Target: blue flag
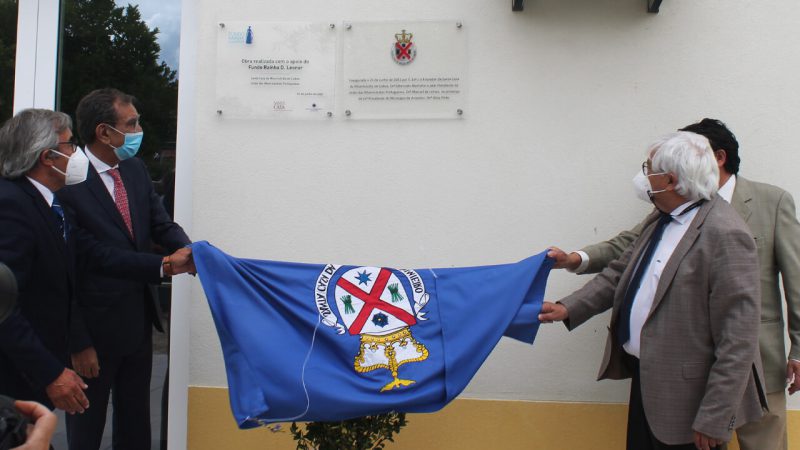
{"x": 327, "y": 342}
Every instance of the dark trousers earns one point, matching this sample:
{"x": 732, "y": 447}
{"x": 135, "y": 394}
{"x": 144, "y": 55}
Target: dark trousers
{"x": 127, "y": 380}
{"x": 640, "y": 436}
{"x": 165, "y": 408}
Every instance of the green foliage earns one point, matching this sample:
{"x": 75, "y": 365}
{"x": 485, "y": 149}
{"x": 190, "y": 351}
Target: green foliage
{"x": 8, "y": 50}
{"x": 364, "y": 433}
{"x": 105, "y": 45}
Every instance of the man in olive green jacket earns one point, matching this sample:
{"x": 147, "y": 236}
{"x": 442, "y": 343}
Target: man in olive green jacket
{"x": 770, "y": 214}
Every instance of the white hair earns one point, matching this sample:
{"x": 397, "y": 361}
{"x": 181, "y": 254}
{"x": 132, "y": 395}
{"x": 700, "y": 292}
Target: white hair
{"x": 25, "y": 136}
{"x": 689, "y": 157}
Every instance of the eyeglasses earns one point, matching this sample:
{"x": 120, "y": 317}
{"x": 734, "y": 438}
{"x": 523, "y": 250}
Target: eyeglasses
{"x": 130, "y": 125}
{"x": 646, "y": 166}
{"x": 72, "y": 143}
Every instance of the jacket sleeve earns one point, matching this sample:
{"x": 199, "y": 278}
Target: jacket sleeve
{"x": 597, "y": 295}
{"x": 18, "y": 340}
{"x": 79, "y": 338}
{"x": 602, "y": 253}
{"x": 787, "y": 256}
{"x": 164, "y": 231}
{"x": 734, "y": 317}
{"x": 21, "y": 345}
{"x": 100, "y": 257}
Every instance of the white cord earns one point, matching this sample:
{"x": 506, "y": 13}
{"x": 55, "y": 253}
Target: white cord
{"x": 263, "y": 422}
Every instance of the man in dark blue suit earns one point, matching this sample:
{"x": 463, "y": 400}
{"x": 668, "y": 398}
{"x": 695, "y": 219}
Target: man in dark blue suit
{"x": 37, "y": 157}
{"x": 111, "y": 340}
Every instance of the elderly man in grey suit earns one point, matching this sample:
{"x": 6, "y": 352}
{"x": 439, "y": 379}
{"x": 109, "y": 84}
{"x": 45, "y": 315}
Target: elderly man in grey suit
{"x": 685, "y": 307}
{"x": 769, "y": 212}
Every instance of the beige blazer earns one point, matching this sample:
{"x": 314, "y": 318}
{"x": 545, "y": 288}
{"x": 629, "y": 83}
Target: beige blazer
{"x": 769, "y": 212}
{"x": 700, "y": 367}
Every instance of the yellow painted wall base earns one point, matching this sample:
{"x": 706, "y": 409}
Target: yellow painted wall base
{"x": 464, "y": 424}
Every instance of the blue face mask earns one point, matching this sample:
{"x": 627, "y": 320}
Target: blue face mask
{"x": 131, "y": 145}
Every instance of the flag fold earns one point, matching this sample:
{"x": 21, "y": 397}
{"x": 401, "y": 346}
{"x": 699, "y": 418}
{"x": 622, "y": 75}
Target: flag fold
{"x": 328, "y": 342}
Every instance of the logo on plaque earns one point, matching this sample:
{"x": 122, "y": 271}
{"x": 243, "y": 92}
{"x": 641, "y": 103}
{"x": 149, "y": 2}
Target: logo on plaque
{"x": 404, "y": 51}
{"x": 249, "y": 35}
{"x": 241, "y": 37}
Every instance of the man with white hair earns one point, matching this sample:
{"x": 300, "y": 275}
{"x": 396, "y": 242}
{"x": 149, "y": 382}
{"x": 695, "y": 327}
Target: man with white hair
{"x": 685, "y": 307}
{"x": 769, "y": 212}
{"x": 38, "y": 157}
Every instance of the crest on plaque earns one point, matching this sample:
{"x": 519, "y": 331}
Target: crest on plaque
{"x": 381, "y": 306}
{"x": 404, "y": 50}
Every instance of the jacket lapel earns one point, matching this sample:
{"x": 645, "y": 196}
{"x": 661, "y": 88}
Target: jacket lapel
{"x": 742, "y": 195}
{"x": 98, "y": 189}
{"x": 668, "y": 274}
{"x": 45, "y": 211}
{"x": 625, "y": 279}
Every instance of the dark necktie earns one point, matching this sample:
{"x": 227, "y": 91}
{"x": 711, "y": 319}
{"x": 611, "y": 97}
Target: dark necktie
{"x": 63, "y": 227}
{"x": 624, "y": 321}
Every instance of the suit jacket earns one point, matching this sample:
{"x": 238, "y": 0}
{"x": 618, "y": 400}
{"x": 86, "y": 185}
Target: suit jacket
{"x": 769, "y": 212}
{"x": 699, "y": 363}
{"x": 116, "y": 308}
{"x": 34, "y": 339}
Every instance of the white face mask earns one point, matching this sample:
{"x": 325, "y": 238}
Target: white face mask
{"x": 643, "y": 188}
{"x": 77, "y": 167}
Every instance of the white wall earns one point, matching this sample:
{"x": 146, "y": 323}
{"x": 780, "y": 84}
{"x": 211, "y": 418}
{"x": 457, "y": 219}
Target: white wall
{"x": 563, "y": 99}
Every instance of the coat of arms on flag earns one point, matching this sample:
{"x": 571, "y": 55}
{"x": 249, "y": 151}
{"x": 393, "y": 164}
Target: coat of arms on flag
{"x": 380, "y": 305}
{"x": 372, "y": 340}
{"x": 404, "y": 50}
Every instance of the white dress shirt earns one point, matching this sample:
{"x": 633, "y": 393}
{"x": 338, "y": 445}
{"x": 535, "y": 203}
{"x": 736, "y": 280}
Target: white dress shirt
{"x": 46, "y": 193}
{"x": 102, "y": 169}
{"x": 726, "y": 190}
{"x": 643, "y": 301}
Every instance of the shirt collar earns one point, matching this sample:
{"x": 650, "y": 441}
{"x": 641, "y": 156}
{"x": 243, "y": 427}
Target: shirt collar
{"x": 678, "y": 216}
{"x": 726, "y": 191}
{"x": 99, "y": 165}
{"x": 46, "y": 193}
